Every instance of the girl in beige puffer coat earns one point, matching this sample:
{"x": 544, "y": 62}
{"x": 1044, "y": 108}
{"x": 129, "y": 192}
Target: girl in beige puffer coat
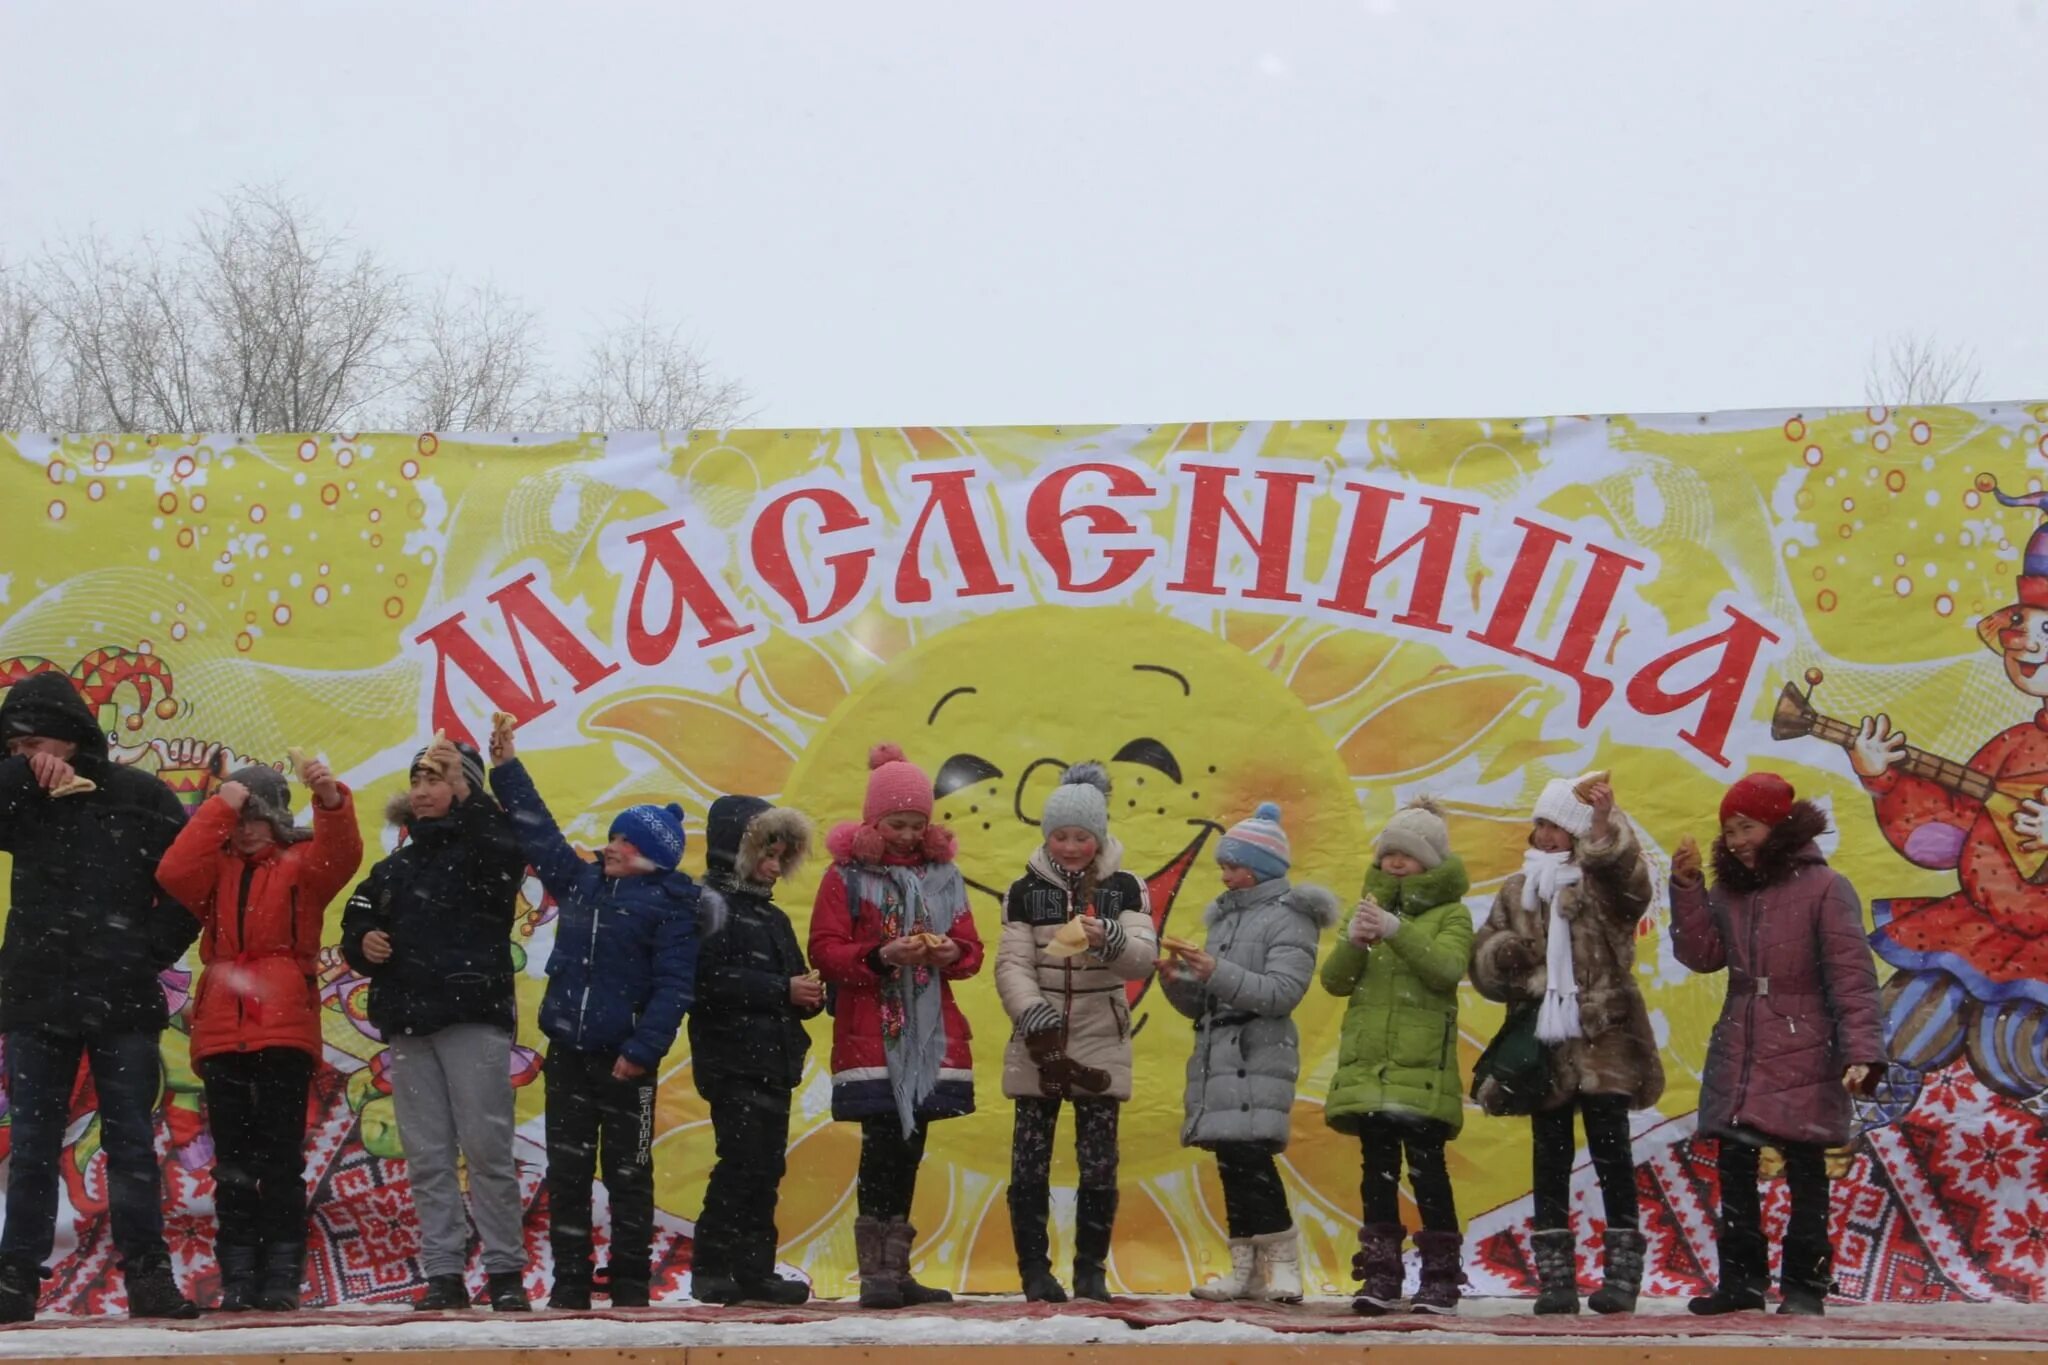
{"x": 1077, "y": 929}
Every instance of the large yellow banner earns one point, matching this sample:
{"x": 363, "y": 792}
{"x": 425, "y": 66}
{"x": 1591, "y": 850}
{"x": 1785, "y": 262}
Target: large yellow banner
{"x": 1335, "y": 616}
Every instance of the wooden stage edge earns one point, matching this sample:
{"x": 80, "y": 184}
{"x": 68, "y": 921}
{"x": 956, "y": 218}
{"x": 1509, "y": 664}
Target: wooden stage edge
{"x": 1410, "y": 1351}
{"x": 1002, "y": 1331}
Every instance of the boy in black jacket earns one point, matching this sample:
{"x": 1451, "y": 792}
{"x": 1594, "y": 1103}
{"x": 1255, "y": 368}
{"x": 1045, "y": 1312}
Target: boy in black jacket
{"x": 87, "y": 934}
{"x": 431, "y": 927}
{"x": 747, "y": 1044}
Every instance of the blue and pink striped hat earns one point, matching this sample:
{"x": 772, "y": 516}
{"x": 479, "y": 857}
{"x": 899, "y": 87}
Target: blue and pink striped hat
{"x": 1258, "y": 844}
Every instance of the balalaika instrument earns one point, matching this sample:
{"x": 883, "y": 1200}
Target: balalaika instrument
{"x": 1796, "y": 718}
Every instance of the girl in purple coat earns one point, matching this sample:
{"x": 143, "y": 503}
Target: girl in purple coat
{"x": 1799, "y": 1030}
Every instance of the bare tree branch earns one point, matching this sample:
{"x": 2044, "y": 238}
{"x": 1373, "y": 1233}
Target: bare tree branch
{"x": 640, "y": 375}
{"x": 478, "y": 365}
{"x": 261, "y": 318}
{"x": 1911, "y": 370}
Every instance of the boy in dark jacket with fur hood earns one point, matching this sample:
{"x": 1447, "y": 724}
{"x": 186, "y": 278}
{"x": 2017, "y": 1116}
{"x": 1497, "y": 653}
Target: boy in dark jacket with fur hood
{"x": 88, "y": 932}
{"x": 431, "y": 927}
{"x": 619, "y": 982}
{"x": 1801, "y": 1027}
{"x": 747, "y": 1044}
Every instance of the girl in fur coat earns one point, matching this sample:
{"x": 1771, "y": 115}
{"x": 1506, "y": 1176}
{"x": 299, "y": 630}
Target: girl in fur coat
{"x": 1563, "y": 933}
{"x": 890, "y": 934}
{"x": 1241, "y": 988}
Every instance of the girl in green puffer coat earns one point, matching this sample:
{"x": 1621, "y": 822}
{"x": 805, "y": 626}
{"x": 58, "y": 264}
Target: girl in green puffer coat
{"x": 1397, "y": 1085}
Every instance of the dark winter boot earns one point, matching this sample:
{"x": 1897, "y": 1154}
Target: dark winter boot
{"x": 1557, "y": 1271}
{"x": 784, "y": 1292}
{"x": 153, "y": 1289}
{"x": 1805, "y": 1279}
{"x": 1744, "y": 1273}
{"x": 899, "y": 1238}
{"x": 1443, "y": 1271}
{"x": 1378, "y": 1268}
{"x": 506, "y": 1289}
{"x": 880, "y": 1286}
{"x": 1030, "y": 1206}
{"x": 283, "y": 1278}
{"x": 237, "y": 1276}
{"x": 570, "y": 1290}
{"x": 21, "y": 1284}
{"x": 630, "y": 1285}
{"x": 1621, "y": 1272}
{"x": 1094, "y": 1221}
{"x": 444, "y": 1293}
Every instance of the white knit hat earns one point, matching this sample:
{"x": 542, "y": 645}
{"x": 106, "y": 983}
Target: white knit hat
{"x": 1562, "y": 808}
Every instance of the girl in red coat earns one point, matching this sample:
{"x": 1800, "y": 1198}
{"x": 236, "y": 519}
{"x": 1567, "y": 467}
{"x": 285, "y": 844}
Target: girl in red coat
{"x": 890, "y": 934}
{"x": 259, "y": 886}
{"x": 1799, "y": 1029}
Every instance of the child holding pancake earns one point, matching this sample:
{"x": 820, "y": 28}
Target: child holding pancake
{"x": 1077, "y": 929}
{"x": 1396, "y": 1087}
{"x": 1241, "y": 989}
{"x": 891, "y": 932}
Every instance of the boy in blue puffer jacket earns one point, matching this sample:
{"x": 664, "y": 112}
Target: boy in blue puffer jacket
{"x": 619, "y": 982}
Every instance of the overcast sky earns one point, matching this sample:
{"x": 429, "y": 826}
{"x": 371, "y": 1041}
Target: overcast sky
{"x": 876, "y": 212}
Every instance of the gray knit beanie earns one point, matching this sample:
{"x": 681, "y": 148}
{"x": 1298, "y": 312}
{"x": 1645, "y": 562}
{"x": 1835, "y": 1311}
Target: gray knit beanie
{"x": 1081, "y": 801}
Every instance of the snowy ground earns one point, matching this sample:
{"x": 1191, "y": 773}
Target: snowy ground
{"x": 1981, "y": 1327}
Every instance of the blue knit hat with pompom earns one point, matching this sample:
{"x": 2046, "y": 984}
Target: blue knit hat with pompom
{"x": 657, "y": 831}
{"x": 1259, "y": 844}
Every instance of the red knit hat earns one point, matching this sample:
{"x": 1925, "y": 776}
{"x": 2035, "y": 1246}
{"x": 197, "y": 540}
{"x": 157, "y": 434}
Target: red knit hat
{"x": 895, "y": 785}
{"x": 1764, "y": 797}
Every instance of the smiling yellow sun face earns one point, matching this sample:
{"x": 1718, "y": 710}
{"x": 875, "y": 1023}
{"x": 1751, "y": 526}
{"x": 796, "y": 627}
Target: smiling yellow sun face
{"x": 1195, "y": 733}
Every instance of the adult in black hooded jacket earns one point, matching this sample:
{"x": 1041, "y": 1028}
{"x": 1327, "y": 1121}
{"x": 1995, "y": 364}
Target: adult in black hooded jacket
{"x": 431, "y": 927}
{"x": 88, "y": 932}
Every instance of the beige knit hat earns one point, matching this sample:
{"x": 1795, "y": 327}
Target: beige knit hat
{"x": 1418, "y": 830}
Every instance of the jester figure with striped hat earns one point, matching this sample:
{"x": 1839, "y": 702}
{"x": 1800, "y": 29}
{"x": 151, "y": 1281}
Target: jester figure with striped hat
{"x": 1972, "y": 967}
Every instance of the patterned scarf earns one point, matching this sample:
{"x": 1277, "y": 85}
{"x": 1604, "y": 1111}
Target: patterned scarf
{"x": 914, "y": 901}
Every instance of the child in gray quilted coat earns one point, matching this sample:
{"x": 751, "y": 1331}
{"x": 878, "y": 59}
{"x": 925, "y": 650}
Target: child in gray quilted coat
{"x": 1241, "y": 988}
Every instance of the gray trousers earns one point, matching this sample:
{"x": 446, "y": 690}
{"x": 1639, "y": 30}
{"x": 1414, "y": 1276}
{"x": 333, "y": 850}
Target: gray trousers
{"x": 452, "y": 1091}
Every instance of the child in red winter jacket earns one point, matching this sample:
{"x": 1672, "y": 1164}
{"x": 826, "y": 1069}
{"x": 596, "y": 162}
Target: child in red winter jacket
{"x": 890, "y": 934}
{"x": 259, "y": 886}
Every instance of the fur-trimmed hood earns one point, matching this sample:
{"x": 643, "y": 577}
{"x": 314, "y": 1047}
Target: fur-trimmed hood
{"x": 779, "y": 825}
{"x": 1788, "y": 847}
{"x": 1315, "y": 904}
{"x": 1109, "y": 860}
{"x": 853, "y": 842}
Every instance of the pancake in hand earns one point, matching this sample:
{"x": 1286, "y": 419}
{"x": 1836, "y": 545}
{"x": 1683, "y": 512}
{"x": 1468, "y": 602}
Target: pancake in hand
{"x": 1071, "y": 940}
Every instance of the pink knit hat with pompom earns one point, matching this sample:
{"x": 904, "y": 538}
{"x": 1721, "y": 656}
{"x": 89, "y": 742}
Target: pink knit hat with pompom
{"x": 895, "y": 786}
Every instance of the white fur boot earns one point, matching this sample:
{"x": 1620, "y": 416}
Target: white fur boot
{"x": 1279, "y": 1265}
{"x": 1243, "y": 1280}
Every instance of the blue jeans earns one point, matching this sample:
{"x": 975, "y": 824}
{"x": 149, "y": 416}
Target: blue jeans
{"x": 127, "y": 1071}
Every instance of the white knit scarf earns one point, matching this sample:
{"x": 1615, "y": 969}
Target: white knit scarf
{"x": 1543, "y": 876}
